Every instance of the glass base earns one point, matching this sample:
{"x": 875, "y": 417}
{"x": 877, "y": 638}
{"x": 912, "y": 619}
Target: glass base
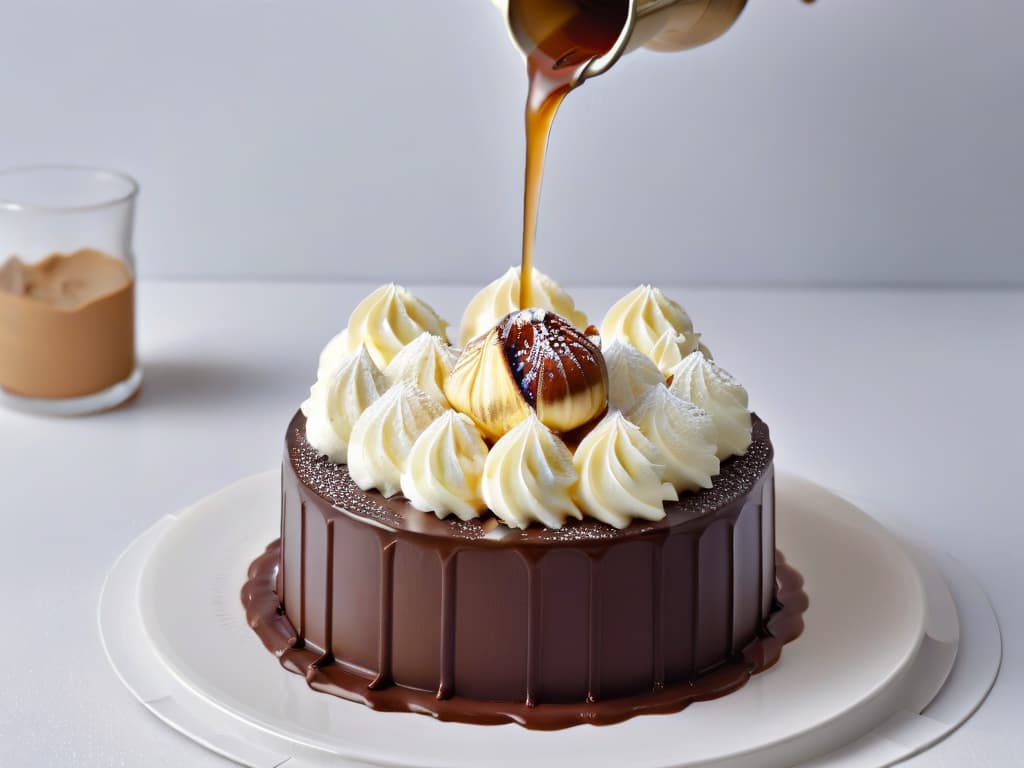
{"x": 76, "y": 406}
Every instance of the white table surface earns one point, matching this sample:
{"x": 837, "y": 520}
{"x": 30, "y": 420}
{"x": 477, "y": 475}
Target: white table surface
{"x": 908, "y": 403}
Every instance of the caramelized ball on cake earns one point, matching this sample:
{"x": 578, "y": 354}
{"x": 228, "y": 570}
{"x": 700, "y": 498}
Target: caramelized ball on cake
{"x": 533, "y": 359}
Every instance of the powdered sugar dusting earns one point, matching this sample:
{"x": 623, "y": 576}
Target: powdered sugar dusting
{"x": 333, "y": 483}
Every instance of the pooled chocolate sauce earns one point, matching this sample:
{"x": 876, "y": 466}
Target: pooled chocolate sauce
{"x": 376, "y": 602}
{"x": 266, "y": 617}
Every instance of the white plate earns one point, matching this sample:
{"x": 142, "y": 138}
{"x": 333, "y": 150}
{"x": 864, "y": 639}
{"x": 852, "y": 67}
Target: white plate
{"x": 876, "y": 643}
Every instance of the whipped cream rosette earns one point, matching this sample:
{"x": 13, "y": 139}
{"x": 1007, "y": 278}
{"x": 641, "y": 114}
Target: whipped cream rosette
{"x": 670, "y": 349}
{"x": 654, "y": 324}
{"x": 426, "y": 362}
{"x": 501, "y": 297}
{"x": 337, "y": 399}
{"x": 683, "y": 433}
{"x": 707, "y": 385}
{"x": 621, "y": 474}
{"x": 385, "y": 321}
{"x": 384, "y": 434}
{"x": 529, "y": 476}
{"x": 445, "y": 467}
{"x": 630, "y": 375}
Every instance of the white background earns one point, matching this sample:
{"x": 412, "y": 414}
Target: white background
{"x": 854, "y": 141}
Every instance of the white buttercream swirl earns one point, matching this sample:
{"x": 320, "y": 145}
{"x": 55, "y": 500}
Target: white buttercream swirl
{"x": 502, "y": 297}
{"x": 657, "y": 326}
{"x": 445, "y": 466}
{"x": 671, "y": 347}
{"x": 337, "y": 399}
{"x": 385, "y": 321}
{"x": 630, "y": 375}
{"x": 528, "y": 477}
{"x": 427, "y": 362}
{"x": 683, "y": 433}
{"x": 334, "y": 353}
{"x": 383, "y": 436}
{"x": 620, "y": 474}
{"x": 704, "y": 383}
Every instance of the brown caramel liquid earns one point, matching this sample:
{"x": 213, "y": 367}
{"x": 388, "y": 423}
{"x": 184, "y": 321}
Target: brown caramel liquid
{"x": 571, "y": 34}
{"x": 67, "y": 325}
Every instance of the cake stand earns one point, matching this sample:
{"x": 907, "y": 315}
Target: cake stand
{"x": 899, "y": 649}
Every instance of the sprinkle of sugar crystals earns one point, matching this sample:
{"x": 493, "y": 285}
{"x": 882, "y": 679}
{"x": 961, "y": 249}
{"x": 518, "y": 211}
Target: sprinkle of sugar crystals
{"x": 332, "y": 482}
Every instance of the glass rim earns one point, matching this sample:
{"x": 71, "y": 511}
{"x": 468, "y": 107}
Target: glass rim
{"x": 98, "y": 173}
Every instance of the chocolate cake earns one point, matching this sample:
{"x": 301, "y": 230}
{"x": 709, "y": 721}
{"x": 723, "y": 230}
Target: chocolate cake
{"x": 545, "y": 529}
{"x": 475, "y": 622}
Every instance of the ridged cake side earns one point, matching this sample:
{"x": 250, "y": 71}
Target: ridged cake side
{"x": 378, "y": 602}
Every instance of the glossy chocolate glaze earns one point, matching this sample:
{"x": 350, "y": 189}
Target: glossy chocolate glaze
{"x": 376, "y": 602}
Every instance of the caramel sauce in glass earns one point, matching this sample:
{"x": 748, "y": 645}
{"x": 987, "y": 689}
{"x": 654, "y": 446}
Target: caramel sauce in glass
{"x": 67, "y": 325}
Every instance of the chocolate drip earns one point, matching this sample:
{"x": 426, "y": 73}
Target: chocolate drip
{"x": 761, "y": 564}
{"x": 730, "y": 590}
{"x": 768, "y": 541}
{"x": 448, "y": 575}
{"x": 281, "y": 579}
{"x": 302, "y": 571}
{"x": 534, "y": 627}
{"x": 748, "y": 575}
{"x": 594, "y": 620}
{"x": 695, "y": 603}
{"x": 328, "y": 656}
{"x": 387, "y": 600}
{"x": 657, "y": 615}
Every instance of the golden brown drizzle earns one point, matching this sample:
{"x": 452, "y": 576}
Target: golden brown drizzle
{"x": 570, "y": 34}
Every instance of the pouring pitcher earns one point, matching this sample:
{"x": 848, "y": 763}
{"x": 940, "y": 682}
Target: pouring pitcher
{"x": 659, "y": 25}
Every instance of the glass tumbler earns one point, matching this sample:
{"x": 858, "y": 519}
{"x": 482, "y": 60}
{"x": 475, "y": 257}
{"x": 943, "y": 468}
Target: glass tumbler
{"x": 67, "y": 290}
